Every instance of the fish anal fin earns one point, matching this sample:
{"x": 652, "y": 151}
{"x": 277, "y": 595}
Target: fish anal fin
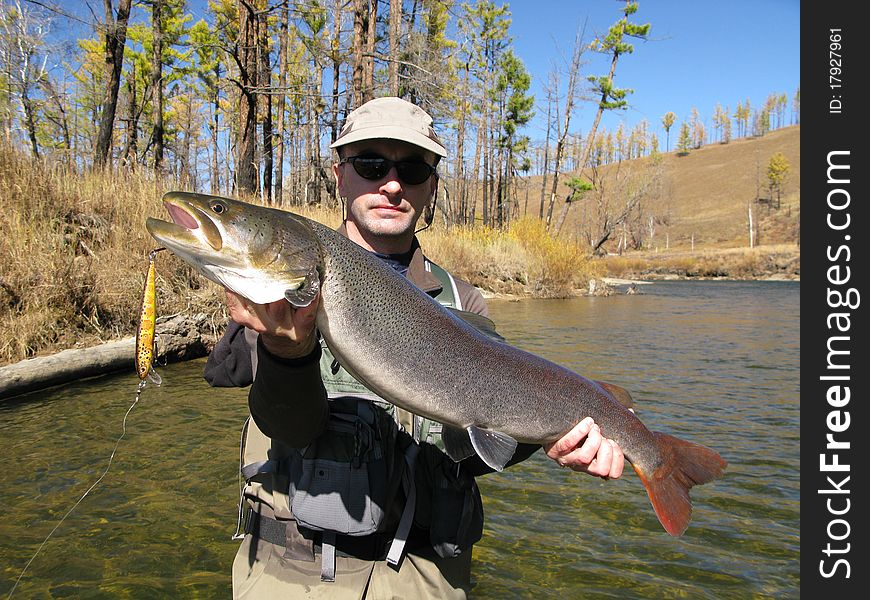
{"x": 684, "y": 464}
{"x": 620, "y": 394}
{"x": 493, "y": 447}
{"x": 457, "y": 443}
{"x": 305, "y": 294}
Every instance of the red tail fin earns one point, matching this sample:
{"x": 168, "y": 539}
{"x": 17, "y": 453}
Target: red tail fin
{"x": 684, "y": 464}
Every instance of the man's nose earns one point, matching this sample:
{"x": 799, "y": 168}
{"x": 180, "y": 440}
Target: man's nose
{"x": 391, "y": 183}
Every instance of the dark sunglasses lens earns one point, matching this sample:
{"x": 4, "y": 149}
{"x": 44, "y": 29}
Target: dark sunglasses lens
{"x": 374, "y": 168}
{"x": 413, "y": 172}
{"x": 371, "y": 168}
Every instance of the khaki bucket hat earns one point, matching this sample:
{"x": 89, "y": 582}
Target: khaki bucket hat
{"x": 390, "y": 118}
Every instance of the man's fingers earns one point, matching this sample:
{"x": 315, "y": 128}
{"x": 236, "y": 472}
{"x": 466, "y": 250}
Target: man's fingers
{"x": 570, "y": 440}
{"x": 618, "y": 463}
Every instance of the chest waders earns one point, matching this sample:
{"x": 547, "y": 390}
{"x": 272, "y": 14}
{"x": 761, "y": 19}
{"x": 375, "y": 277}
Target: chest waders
{"x": 344, "y": 482}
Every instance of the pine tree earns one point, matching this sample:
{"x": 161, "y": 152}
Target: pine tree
{"x": 667, "y": 122}
{"x": 515, "y": 111}
{"x": 684, "y": 143}
{"x": 777, "y": 172}
{"x": 115, "y": 41}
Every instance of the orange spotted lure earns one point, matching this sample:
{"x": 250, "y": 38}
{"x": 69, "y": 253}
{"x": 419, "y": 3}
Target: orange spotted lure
{"x": 145, "y": 345}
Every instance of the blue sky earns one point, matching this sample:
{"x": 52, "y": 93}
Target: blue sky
{"x": 700, "y": 52}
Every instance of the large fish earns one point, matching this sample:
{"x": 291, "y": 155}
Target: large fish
{"x": 407, "y": 348}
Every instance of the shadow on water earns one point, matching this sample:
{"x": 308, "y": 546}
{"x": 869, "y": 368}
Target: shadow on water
{"x": 713, "y": 362}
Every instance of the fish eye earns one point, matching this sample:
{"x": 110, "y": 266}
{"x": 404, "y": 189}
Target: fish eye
{"x": 218, "y": 208}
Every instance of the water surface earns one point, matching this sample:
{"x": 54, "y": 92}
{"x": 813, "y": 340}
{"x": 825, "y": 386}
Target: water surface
{"x": 713, "y": 362}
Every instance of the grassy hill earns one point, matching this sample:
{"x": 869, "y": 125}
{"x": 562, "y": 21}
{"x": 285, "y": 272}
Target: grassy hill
{"x": 705, "y": 196}
{"x": 707, "y": 192}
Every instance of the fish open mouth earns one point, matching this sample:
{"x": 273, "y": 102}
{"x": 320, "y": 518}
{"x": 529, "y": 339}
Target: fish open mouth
{"x": 180, "y": 216}
{"x": 190, "y": 226}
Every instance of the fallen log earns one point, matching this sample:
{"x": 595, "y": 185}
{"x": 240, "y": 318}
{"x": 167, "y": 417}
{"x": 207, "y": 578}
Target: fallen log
{"x": 182, "y": 337}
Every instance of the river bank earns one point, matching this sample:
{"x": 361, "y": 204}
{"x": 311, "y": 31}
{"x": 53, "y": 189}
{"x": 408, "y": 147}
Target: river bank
{"x": 193, "y": 333}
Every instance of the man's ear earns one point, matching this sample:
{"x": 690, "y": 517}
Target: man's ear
{"x": 337, "y": 173}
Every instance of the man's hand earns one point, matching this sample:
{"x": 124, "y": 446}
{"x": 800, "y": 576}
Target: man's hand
{"x": 597, "y": 455}
{"x": 285, "y": 331}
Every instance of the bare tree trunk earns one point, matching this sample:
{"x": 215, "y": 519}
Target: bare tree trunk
{"x": 359, "y": 10}
{"x": 27, "y": 106}
{"x": 591, "y": 137}
{"x": 751, "y": 228}
{"x": 215, "y": 168}
{"x": 563, "y": 134}
{"x": 116, "y": 38}
{"x": 246, "y": 144}
{"x": 462, "y": 199}
{"x": 475, "y": 174}
{"x": 550, "y": 93}
{"x": 335, "y": 55}
{"x": 371, "y": 37}
{"x": 157, "y": 84}
{"x": 395, "y": 32}
{"x": 131, "y": 144}
{"x": 282, "y": 83}
{"x": 265, "y": 83}
{"x": 62, "y": 121}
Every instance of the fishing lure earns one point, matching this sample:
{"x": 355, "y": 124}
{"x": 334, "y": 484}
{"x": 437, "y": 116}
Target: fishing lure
{"x": 145, "y": 343}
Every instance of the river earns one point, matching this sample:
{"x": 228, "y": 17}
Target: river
{"x": 713, "y": 362}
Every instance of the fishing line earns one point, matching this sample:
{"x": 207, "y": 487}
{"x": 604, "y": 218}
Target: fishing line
{"x": 88, "y": 491}
{"x": 146, "y": 351}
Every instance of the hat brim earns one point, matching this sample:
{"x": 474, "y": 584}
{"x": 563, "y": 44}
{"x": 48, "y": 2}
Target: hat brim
{"x": 391, "y": 132}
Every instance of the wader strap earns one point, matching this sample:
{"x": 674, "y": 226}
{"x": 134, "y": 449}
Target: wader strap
{"x": 327, "y": 557}
{"x": 262, "y": 466}
{"x": 239, "y": 534}
{"x": 449, "y": 294}
{"x": 397, "y": 548}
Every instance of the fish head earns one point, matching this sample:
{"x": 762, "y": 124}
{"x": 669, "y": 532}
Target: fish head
{"x": 257, "y": 252}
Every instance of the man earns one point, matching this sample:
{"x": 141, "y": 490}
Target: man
{"x": 347, "y": 495}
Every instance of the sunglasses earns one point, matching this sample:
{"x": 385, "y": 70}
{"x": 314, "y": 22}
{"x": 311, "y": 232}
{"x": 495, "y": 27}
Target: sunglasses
{"x": 373, "y": 168}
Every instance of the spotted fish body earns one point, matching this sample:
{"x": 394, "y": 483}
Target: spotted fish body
{"x": 411, "y": 351}
{"x": 147, "y": 319}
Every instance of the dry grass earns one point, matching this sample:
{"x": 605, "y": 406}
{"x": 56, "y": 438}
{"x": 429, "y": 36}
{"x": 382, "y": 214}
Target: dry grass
{"x": 522, "y": 260}
{"x": 779, "y": 260}
{"x": 74, "y": 249}
{"x": 72, "y": 255}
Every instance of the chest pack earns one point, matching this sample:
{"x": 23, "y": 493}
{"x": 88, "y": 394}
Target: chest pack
{"x": 346, "y": 481}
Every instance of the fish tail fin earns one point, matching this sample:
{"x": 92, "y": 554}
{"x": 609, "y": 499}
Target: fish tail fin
{"x": 684, "y": 464}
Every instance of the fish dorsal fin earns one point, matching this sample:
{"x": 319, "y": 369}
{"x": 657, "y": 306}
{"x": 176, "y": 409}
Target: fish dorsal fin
{"x": 493, "y": 447}
{"x": 457, "y": 444}
{"x": 619, "y": 394}
{"x": 303, "y": 295}
{"x": 483, "y": 324}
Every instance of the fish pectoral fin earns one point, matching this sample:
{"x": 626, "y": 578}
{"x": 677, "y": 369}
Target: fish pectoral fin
{"x": 618, "y": 393}
{"x": 493, "y": 447}
{"x": 307, "y": 291}
{"x": 457, "y": 444}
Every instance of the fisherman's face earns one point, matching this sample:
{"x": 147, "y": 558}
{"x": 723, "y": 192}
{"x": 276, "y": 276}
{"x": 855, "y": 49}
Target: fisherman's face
{"x": 384, "y": 211}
